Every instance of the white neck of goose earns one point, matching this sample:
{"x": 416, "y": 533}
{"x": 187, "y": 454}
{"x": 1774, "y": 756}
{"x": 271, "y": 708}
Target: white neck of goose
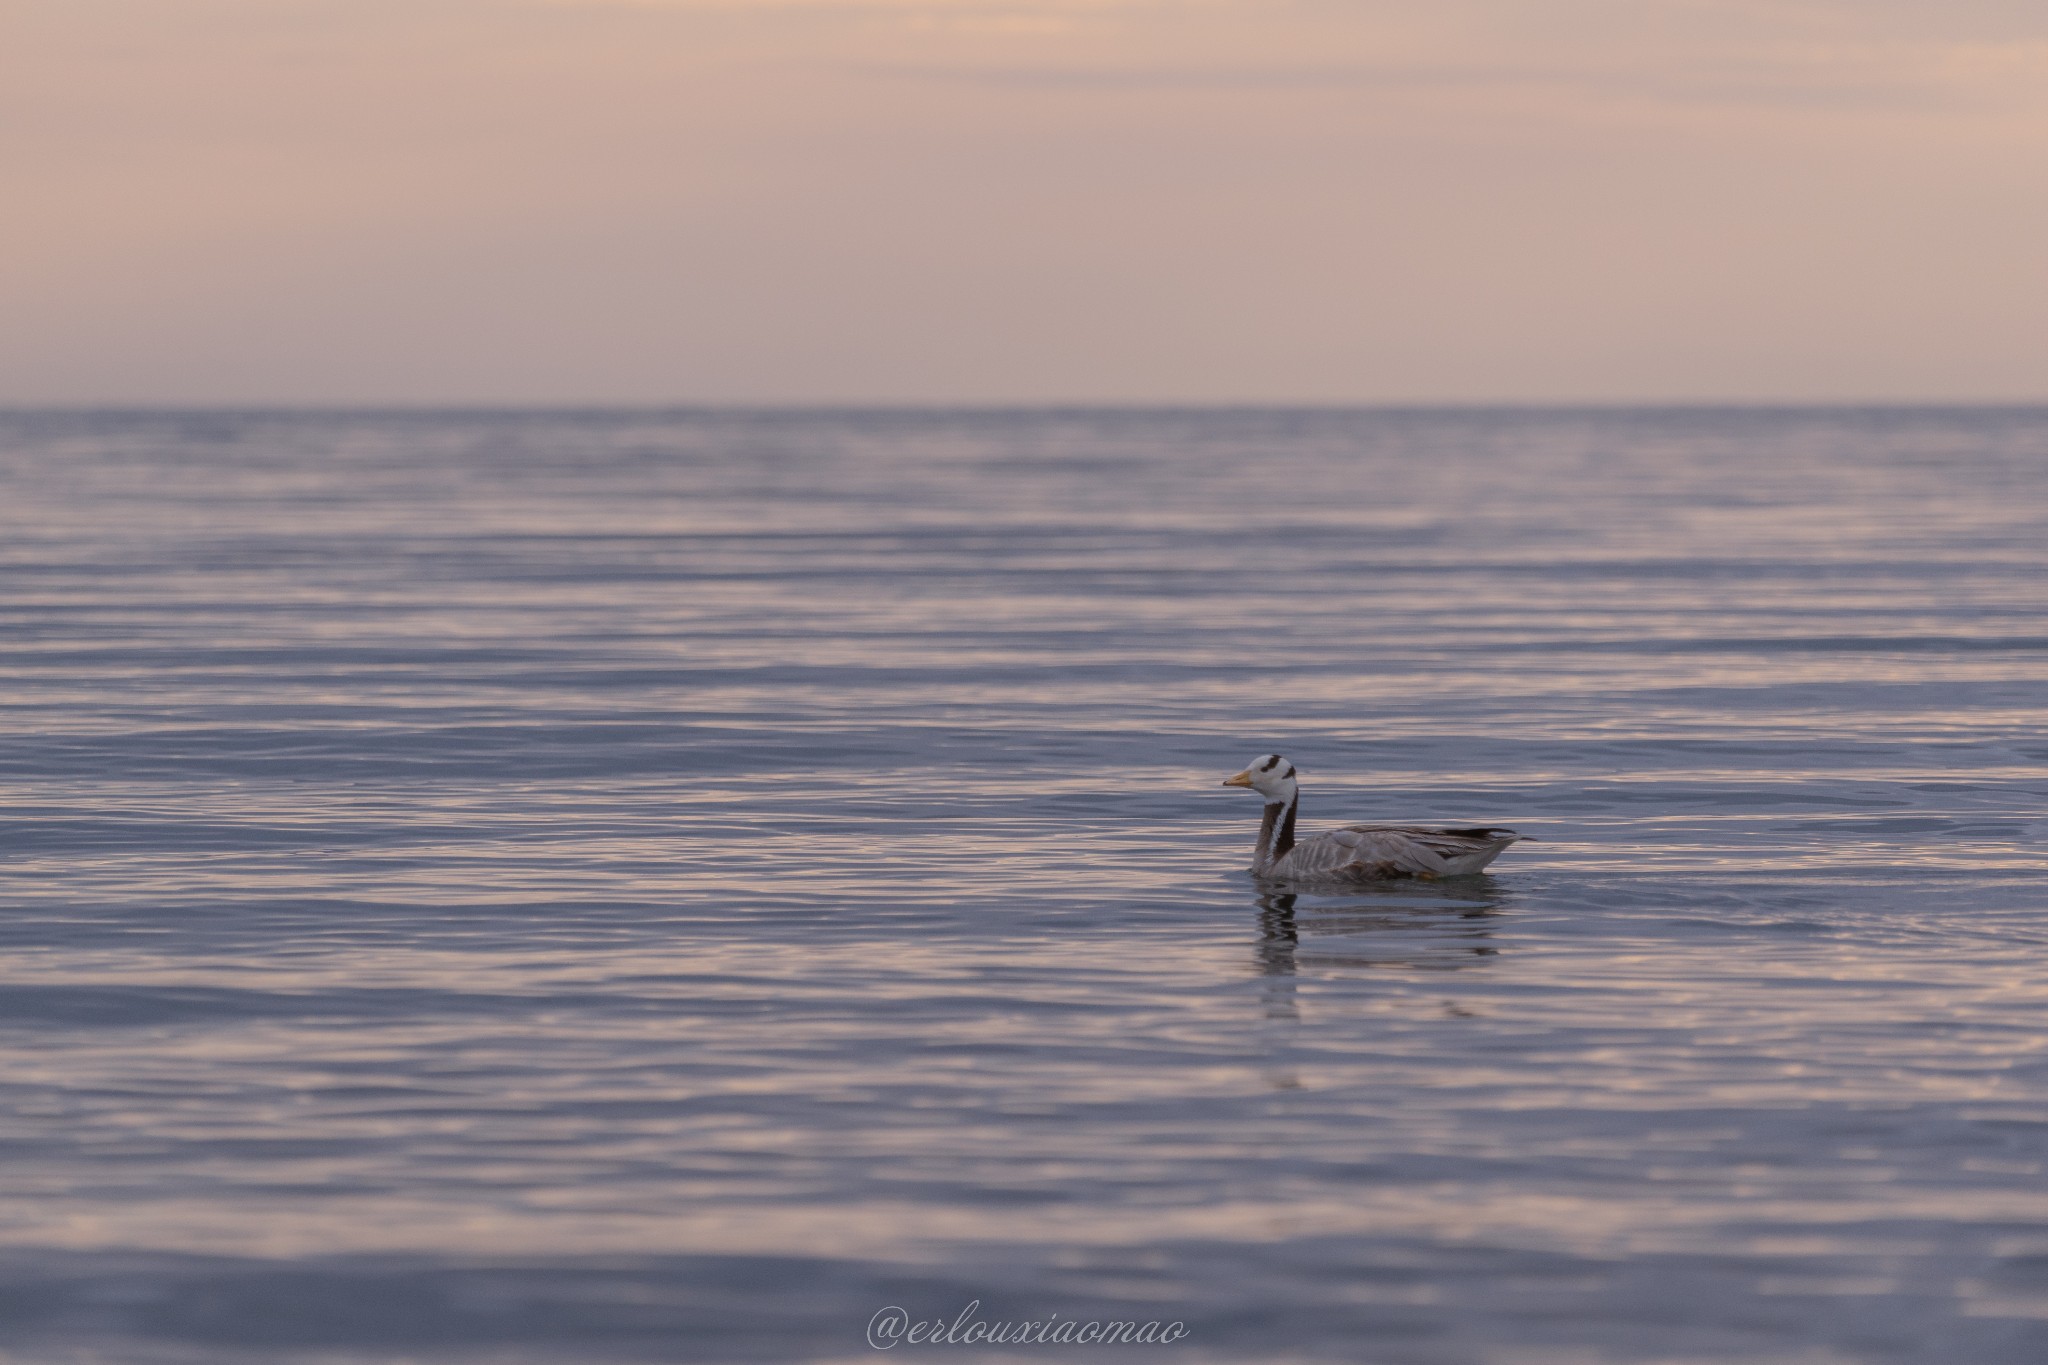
{"x": 1276, "y": 829}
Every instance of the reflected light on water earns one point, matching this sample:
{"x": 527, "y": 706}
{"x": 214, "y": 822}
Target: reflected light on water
{"x": 514, "y": 866}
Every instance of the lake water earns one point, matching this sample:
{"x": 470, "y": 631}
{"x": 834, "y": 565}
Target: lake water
{"x": 636, "y": 886}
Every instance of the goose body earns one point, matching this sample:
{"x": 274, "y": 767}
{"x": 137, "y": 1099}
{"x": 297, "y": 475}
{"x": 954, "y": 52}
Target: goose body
{"x": 1355, "y": 853}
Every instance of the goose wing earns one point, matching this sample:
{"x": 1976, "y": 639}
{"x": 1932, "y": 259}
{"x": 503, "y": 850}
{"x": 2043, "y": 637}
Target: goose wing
{"x": 1378, "y": 852}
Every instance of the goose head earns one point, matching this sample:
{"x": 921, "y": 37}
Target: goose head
{"x": 1270, "y": 775}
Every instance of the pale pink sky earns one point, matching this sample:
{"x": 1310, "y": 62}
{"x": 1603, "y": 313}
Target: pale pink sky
{"x": 542, "y": 201}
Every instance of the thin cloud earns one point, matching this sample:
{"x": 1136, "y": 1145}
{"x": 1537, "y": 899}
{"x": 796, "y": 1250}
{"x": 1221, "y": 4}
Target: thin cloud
{"x": 927, "y": 8}
{"x": 1942, "y": 79}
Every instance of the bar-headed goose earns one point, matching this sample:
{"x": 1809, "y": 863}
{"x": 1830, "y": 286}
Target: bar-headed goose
{"x": 1355, "y": 853}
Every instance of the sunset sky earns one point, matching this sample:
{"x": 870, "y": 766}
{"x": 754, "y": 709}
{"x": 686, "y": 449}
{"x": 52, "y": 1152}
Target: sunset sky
{"x": 652, "y": 201}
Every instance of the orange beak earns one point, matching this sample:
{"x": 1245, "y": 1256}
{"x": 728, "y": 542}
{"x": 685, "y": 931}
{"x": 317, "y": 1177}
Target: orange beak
{"x": 1241, "y": 780}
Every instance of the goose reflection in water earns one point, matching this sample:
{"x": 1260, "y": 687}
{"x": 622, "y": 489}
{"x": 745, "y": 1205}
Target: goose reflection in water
{"x": 1417, "y": 929}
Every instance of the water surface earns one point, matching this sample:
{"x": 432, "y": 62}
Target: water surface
{"x": 628, "y": 886}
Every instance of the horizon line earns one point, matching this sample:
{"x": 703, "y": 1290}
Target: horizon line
{"x": 798, "y": 406}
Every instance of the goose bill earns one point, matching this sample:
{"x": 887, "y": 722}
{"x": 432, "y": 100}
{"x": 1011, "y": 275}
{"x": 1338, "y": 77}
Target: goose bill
{"x": 1243, "y": 779}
